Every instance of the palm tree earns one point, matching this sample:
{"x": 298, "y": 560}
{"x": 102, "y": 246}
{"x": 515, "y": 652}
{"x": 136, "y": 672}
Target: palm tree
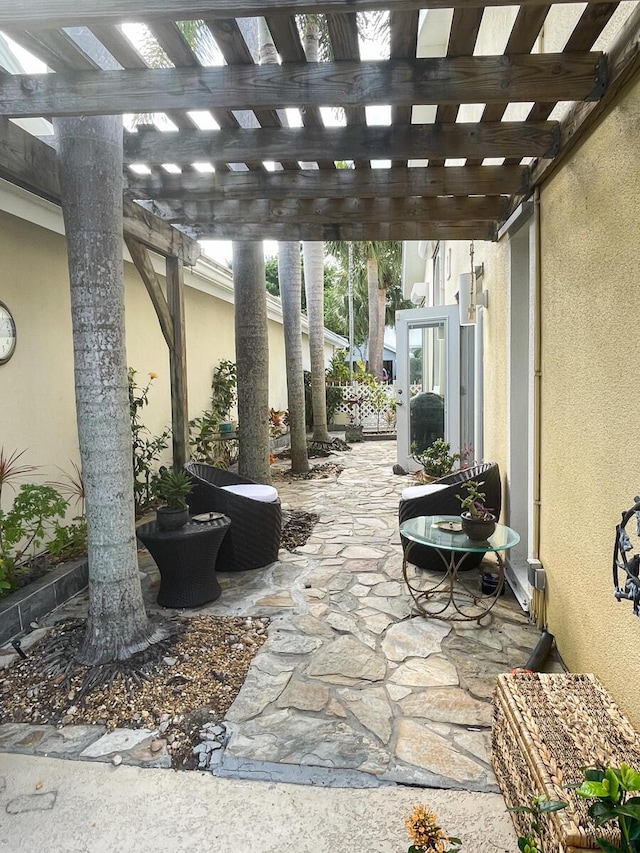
{"x": 313, "y": 253}
{"x": 90, "y": 160}
{"x": 377, "y": 272}
{"x": 252, "y": 360}
{"x": 290, "y": 295}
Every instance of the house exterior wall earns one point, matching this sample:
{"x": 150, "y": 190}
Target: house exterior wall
{"x": 590, "y": 469}
{"x": 37, "y": 402}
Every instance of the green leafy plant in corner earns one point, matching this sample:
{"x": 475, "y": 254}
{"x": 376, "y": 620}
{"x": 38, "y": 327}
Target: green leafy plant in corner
{"x": 611, "y": 788}
{"x": 25, "y": 527}
{"x": 173, "y": 487}
{"x": 146, "y": 449}
{"x": 223, "y": 390}
{"x": 532, "y": 842}
{"x": 437, "y": 460}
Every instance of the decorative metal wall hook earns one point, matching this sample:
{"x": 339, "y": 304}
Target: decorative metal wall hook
{"x": 627, "y": 568}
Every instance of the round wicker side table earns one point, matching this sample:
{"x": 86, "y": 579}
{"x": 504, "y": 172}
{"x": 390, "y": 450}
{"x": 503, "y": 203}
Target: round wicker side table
{"x": 186, "y": 560}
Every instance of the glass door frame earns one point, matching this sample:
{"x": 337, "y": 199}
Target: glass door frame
{"x": 441, "y": 315}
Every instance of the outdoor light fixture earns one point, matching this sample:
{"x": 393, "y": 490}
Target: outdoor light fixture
{"x": 468, "y": 296}
{"x": 627, "y": 566}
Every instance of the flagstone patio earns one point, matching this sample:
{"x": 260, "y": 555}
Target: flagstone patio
{"x": 348, "y": 683}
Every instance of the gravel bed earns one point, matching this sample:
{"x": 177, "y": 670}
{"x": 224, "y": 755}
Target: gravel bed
{"x": 190, "y": 681}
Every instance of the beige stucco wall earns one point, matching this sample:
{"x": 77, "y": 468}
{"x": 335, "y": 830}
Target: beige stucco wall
{"x": 37, "y": 403}
{"x": 590, "y": 409}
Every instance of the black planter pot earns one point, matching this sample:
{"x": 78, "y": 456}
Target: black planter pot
{"x": 171, "y": 519}
{"x": 476, "y": 528}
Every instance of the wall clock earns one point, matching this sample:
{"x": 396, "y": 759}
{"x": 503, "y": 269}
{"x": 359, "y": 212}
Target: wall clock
{"x": 7, "y": 334}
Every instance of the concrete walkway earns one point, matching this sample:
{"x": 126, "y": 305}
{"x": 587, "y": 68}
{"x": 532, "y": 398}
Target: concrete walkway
{"x": 53, "y": 806}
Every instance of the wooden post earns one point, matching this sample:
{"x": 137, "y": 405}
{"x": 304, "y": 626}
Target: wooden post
{"x": 178, "y": 363}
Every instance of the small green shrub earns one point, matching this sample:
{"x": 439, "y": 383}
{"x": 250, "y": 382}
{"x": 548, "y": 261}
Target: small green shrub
{"x": 437, "y": 460}
{"x": 146, "y": 449}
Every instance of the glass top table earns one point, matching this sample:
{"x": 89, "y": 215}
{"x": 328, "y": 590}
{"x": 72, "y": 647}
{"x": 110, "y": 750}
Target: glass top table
{"x": 453, "y": 596}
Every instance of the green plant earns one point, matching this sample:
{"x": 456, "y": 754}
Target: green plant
{"x": 223, "y": 389}
{"x": 206, "y": 443}
{"x": 334, "y": 396}
{"x": 473, "y": 501}
{"x": 338, "y": 370}
{"x": 426, "y": 835}
{"x": 173, "y": 487}
{"x": 69, "y": 540}
{"x": 24, "y": 527}
{"x": 611, "y": 787}
{"x": 437, "y": 459}
{"x": 532, "y": 842}
{"x": 145, "y": 451}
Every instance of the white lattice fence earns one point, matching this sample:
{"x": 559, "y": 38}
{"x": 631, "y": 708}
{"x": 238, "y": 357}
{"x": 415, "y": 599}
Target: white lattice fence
{"x": 359, "y": 402}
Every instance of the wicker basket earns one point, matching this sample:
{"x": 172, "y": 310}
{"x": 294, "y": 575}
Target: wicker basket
{"x": 546, "y": 727}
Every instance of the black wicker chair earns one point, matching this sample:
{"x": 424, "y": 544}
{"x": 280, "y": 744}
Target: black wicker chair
{"x": 256, "y": 525}
{"x": 440, "y": 499}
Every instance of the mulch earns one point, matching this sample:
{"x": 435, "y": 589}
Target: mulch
{"x": 176, "y": 686}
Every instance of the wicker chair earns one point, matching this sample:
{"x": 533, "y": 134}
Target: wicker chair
{"x": 256, "y": 525}
{"x": 439, "y": 498}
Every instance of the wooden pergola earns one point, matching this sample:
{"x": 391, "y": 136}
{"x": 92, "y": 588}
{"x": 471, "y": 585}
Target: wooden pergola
{"x": 99, "y": 72}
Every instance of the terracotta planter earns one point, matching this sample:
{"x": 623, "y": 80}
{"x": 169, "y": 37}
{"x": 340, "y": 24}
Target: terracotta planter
{"x": 171, "y": 519}
{"x": 477, "y": 529}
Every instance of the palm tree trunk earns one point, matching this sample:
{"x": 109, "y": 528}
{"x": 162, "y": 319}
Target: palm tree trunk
{"x": 252, "y": 360}
{"x": 375, "y": 338}
{"x": 314, "y": 288}
{"x": 90, "y": 157}
{"x": 314, "y": 284}
{"x": 290, "y": 295}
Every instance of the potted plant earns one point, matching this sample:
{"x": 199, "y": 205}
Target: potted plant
{"x": 478, "y": 521}
{"x": 173, "y": 487}
{"x": 437, "y": 460}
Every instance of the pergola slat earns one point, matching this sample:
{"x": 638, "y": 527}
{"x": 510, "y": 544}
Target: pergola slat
{"x": 462, "y": 39}
{"x": 59, "y": 13}
{"x": 482, "y": 79}
{"x": 343, "y": 33}
{"x": 235, "y": 51}
{"x": 403, "y": 37}
{"x": 341, "y": 183}
{"x": 502, "y": 139}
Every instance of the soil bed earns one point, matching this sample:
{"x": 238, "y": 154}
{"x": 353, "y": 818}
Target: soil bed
{"x": 190, "y": 679}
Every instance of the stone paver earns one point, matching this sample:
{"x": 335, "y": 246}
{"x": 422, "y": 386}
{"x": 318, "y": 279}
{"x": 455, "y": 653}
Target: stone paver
{"x": 349, "y": 680}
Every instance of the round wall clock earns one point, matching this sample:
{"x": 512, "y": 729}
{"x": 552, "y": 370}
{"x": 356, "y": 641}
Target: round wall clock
{"x": 7, "y": 334}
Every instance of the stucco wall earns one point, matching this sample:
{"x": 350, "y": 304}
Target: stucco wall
{"x": 590, "y": 409}
{"x": 37, "y": 403}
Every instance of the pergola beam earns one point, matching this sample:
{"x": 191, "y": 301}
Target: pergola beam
{"x": 355, "y": 232}
{"x": 501, "y": 139}
{"x": 343, "y": 211}
{"x": 341, "y": 183}
{"x": 62, "y": 13}
{"x": 401, "y": 82}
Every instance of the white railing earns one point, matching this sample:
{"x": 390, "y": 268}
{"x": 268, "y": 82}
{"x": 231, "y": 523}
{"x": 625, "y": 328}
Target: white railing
{"x": 371, "y": 406}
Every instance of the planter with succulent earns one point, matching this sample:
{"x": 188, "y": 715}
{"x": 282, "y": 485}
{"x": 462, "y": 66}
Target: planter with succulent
{"x": 173, "y": 487}
{"x": 478, "y": 521}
